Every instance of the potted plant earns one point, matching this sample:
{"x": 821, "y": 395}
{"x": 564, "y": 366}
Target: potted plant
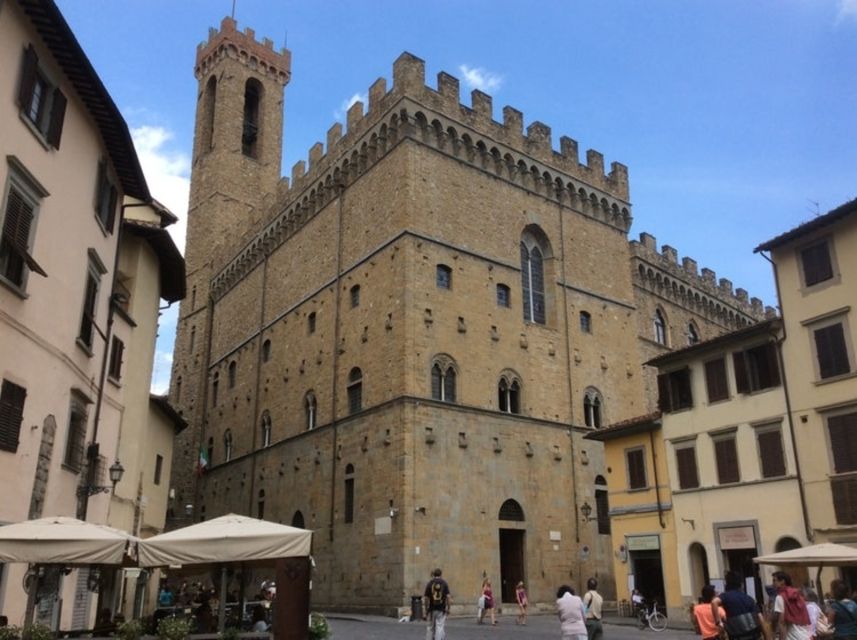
{"x": 318, "y": 627}
{"x": 130, "y": 630}
{"x": 173, "y": 629}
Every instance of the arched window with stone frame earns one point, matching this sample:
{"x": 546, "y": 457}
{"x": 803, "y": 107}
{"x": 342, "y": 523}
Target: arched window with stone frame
{"x": 602, "y": 506}
{"x": 266, "y": 429}
{"x": 232, "y": 373}
{"x": 536, "y": 254}
{"x": 252, "y": 125}
{"x": 659, "y": 325}
{"x": 509, "y": 392}
{"x": 593, "y": 406}
{"x": 348, "y": 511}
{"x": 298, "y": 520}
{"x": 310, "y": 410}
{"x": 444, "y": 377}
{"x": 227, "y": 445}
{"x": 355, "y": 391}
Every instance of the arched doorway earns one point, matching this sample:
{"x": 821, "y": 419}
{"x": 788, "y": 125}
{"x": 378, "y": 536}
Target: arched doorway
{"x": 512, "y": 533}
{"x": 698, "y": 562}
{"x": 799, "y": 575}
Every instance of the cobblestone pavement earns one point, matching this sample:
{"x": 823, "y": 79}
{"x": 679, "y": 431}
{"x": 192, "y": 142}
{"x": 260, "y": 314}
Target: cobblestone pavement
{"x": 348, "y": 627}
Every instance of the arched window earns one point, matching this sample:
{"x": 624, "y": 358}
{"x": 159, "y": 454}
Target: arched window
{"x": 509, "y": 393}
{"x": 210, "y": 101}
{"x": 310, "y": 409}
{"x": 227, "y": 445}
{"x": 511, "y": 510}
{"x": 585, "y": 322}
{"x": 250, "y": 131}
{"x": 355, "y": 296}
{"x": 692, "y": 335}
{"x": 660, "y": 327}
{"x": 298, "y": 520}
{"x": 355, "y": 391}
{"x": 215, "y": 384}
{"x": 233, "y": 369}
{"x": 266, "y": 350}
{"x": 443, "y": 379}
{"x": 443, "y": 277}
{"x": 310, "y": 323}
{"x": 266, "y": 429}
{"x": 260, "y": 505}
{"x": 533, "y": 252}
{"x": 504, "y": 295}
{"x": 349, "y": 493}
{"x": 602, "y": 506}
{"x": 592, "y": 408}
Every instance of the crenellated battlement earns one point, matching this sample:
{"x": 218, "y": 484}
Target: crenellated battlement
{"x": 699, "y": 290}
{"x": 434, "y": 117}
{"x": 244, "y": 47}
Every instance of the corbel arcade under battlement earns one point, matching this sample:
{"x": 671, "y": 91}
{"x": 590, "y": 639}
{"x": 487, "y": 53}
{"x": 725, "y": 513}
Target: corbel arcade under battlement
{"x": 434, "y": 117}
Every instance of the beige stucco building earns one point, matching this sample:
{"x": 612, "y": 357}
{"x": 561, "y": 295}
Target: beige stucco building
{"x": 76, "y": 341}
{"x": 815, "y": 267}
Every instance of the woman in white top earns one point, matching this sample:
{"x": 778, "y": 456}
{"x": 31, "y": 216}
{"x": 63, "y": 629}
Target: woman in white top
{"x": 571, "y": 614}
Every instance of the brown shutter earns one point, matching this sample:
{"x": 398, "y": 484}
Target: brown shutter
{"x": 831, "y": 351}
{"x": 57, "y": 118}
{"x": 12, "y": 399}
{"x": 771, "y": 454}
{"x": 688, "y": 478}
{"x": 636, "y": 469}
{"x": 727, "y": 460}
{"x": 29, "y": 69}
{"x": 742, "y": 382}
{"x": 16, "y": 229}
{"x": 715, "y": 380}
{"x": 111, "y": 211}
{"x": 843, "y": 442}
{"x": 844, "y": 492}
{"x": 664, "y": 401}
{"x": 773, "y": 363}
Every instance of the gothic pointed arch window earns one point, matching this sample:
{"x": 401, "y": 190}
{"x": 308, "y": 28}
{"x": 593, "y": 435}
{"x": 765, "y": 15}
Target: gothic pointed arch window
{"x": 660, "y": 327}
{"x": 534, "y": 250}
{"x": 298, "y": 520}
{"x": 310, "y": 408}
{"x": 509, "y": 393}
{"x": 355, "y": 391}
{"x": 266, "y": 429}
{"x": 233, "y": 372}
{"x": 252, "y": 108}
{"x": 510, "y": 510}
{"x": 227, "y": 445}
{"x": 602, "y": 506}
{"x": 208, "y": 106}
{"x": 266, "y": 350}
{"x": 349, "y": 493}
{"x": 592, "y": 408}
{"x": 443, "y": 378}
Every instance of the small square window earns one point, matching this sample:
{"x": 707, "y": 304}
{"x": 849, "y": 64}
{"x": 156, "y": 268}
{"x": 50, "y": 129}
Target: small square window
{"x": 504, "y": 296}
{"x": 585, "y": 322}
{"x": 443, "y": 277}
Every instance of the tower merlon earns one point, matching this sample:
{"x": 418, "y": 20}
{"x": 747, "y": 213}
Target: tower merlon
{"x": 449, "y": 89}
{"x": 245, "y": 48}
{"x": 354, "y": 115}
{"x": 409, "y": 73}
{"x": 670, "y": 254}
{"x": 376, "y": 92}
{"x": 539, "y": 138}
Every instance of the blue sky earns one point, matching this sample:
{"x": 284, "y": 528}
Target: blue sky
{"x": 736, "y": 119}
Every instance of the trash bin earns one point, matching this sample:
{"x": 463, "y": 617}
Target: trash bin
{"x": 416, "y": 608}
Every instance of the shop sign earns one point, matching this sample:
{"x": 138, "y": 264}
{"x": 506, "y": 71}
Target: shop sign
{"x": 644, "y": 543}
{"x": 737, "y": 538}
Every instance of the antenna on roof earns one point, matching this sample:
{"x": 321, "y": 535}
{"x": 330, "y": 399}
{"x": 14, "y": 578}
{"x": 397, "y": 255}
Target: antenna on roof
{"x": 814, "y": 208}
{"x": 233, "y": 9}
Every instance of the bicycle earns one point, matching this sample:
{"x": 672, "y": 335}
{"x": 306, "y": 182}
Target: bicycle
{"x": 654, "y": 619}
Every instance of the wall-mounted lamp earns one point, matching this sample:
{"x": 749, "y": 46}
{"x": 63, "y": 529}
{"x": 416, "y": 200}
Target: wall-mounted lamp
{"x": 116, "y": 471}
{"x": 586, "y": 510}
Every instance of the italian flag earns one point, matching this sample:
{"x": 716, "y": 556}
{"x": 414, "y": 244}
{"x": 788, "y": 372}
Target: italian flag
{"x": 202, "y": 464}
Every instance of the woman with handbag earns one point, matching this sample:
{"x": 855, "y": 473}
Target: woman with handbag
{"x": 842, "y": 612}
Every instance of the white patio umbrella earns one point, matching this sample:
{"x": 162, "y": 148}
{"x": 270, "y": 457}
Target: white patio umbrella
{"x": 229, "y": 538}
{"x": 63, "y": 540}
{"x": 825, "y": 554}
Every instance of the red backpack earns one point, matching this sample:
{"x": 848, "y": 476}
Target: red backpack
{"x": 795, "y": 607}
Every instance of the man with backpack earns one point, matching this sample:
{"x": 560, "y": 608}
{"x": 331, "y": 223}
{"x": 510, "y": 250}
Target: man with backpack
{"x": 437, "y": 600}
{"x": 743, "y": 619}
{"x": 791, "y": 617}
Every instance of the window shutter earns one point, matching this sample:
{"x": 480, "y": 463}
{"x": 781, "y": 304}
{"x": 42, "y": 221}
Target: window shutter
{"x": 602, "y": 510}
{"x": 832, "y": 351}
{"x": 664, "y": 400}
{"x": 100, "y": 190}
{"x": 843, "y": 442}
{"x": 16, "y": 229}
{"x": 715, "y": 380}
{"x": 771, "y": 454}
{"x": 845, "y": 499}
{"x": 12, "y": 399}
{"x": 688, "y": 478}
{"x": 636, "y": 469}
{"x": 57, "y": 118}
{"x": 816, "y": 264}
{"x": 111, "y": 210}
{"x": 29, "y": 69}
{"x": 773, "y": 364}
{"x": 682, "y": 389}
{"x": 727, "y": 460}
{"x": 742, "y": 382}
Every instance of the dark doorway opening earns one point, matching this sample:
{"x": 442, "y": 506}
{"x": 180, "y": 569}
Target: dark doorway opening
{"x": 649, "y": 575}
{"x": 741, "y": 560}
{"x": 511, "y": 562}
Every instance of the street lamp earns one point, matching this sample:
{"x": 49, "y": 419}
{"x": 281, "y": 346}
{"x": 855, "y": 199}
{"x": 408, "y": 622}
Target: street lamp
{"x": 586, "y": 510}
{"x": 116, "y": 471}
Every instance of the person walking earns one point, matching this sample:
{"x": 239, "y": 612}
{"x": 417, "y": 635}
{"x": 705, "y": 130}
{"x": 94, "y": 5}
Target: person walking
{"x": 704, "y": 616}
{"x": 523, "y": 603}
{"x": 437, "y": 602}
{"x": 743, "y": 620}
{"x": 487, "y": 601}
{"x": 592, "y": 602}
{"x": 571, "y": 615}
{"x": 791, "y": 618}
{"x": 842, "y": 612}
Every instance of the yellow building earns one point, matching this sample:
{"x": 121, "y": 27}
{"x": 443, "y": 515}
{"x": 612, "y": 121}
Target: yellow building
{"x": 640, "y": 511}
{"x": 815, "y": 267}
{"x": 731, "y": 459}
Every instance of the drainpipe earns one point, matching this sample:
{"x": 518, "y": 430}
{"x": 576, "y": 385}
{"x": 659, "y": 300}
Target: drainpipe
{"x": 657, "y": 483}
{"x": 810, "y": 535}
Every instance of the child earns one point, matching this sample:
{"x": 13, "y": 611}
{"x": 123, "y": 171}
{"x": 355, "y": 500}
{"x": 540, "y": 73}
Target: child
{"x": 521, "y": 597}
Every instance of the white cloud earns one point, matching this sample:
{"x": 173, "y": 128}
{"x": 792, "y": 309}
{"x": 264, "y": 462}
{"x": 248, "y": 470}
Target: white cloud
{"x": 168, "y": 173}
{"x": 479, "y": 78}
{"x": 339, "y": 114}
{"x": 847, "y": 10}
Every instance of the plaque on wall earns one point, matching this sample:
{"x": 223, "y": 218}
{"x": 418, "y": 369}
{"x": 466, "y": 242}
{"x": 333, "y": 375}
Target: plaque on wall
{"x": 737, "y": 538}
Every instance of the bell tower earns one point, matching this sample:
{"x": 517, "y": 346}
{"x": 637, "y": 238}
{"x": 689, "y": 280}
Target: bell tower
{"x": 238, "y": 140}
